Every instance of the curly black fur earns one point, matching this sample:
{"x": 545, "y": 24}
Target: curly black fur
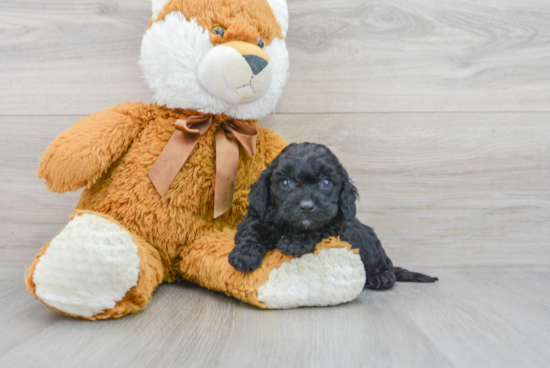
{"x": 303, "y": 197}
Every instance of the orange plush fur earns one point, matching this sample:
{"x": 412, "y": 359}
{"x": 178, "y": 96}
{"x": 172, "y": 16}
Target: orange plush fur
{"x": 110, "y": 154}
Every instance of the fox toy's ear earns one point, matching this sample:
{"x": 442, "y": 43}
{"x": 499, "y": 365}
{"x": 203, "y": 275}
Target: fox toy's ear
{"x": 158, "y": 6}
{"x": 280, "y": 9}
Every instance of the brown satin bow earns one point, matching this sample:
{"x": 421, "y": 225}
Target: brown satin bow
{"x": 185, "y": 138}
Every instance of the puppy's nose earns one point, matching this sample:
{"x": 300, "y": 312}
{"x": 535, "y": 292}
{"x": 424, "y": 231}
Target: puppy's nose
{"x": 306, "y": 206}
{"x": 257, "y": 64}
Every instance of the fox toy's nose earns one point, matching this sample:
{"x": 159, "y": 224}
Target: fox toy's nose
{"x": 257, "y": 64}
{"x": 306, "y": 206}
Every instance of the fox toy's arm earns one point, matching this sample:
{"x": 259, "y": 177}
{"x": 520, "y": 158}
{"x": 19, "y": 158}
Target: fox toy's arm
{"x": 82, "y": 153}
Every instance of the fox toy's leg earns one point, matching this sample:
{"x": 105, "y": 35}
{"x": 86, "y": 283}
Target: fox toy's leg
{"x": 95, "y": 269}
{"x": 334, "y": 274}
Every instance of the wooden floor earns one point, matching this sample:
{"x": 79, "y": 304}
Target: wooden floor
{"x": 440, "y": 110}
{"x": 472, "y": 318}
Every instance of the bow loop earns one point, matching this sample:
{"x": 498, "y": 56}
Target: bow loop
{"x": 178, "y": 149}
{"x": 245, "y": 134}
{"x": 194, "y": 124}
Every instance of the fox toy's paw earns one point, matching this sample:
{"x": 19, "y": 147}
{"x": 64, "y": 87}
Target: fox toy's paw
{"x": 95, "y": 269}
{"x": 333, "y": 274}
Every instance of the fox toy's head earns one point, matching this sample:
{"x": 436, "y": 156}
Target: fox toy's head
{"x": 217, "y": 56}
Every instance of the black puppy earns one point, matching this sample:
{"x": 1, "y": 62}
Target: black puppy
{"x": 304, "y": 196}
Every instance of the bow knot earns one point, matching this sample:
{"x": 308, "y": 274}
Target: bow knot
{"x": 229, "y": 134}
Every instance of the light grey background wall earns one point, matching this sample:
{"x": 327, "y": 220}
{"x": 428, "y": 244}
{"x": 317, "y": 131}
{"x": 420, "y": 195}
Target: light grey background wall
{"x": 440, "y": 110}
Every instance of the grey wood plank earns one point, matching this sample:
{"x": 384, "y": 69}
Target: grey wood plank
{"x": 21, "y": 317}
{"x": 30, "y": 214}
{"x": 419, "y": 55}
{"x": 66, "y": 57}
{"x": 472, "y": 317}
{"x": 497, "y": 323}
{"x": 456, "y": 189}
{"x": 450, "y": 189}
{"x": 364, "y": 333}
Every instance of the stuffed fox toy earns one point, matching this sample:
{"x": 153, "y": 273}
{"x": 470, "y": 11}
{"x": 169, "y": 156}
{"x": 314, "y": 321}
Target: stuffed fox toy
{"x": 167, "y": 183}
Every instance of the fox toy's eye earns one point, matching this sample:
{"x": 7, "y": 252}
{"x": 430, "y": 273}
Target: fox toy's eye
{"x": 326, "y": 184}
{"x": 261, "y": 43}
{"x": 285, "y": 184}
{"x": 219, "y": 31}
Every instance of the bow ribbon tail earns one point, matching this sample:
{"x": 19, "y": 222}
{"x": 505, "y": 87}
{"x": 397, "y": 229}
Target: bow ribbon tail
{"x": 227, "y": 165}
{"x": 177, "y": 151}
{"x": 228, "y": 137}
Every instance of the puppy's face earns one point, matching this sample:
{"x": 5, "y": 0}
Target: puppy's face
{"x": 306, "y": 186}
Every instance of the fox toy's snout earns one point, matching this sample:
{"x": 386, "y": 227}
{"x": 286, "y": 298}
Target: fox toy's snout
{"x": 237, "y": 72}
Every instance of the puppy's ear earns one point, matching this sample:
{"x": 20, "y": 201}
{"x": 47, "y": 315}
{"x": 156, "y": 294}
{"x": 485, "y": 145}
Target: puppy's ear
{"x": 258, "y": 198}
{"x": 348, "y": 196}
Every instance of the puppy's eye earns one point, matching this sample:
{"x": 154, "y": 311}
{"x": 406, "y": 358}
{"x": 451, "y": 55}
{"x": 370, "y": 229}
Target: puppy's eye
{"x": 219, "y": 31}
{"x": 261, "y": 43}
{"x": 285, "y": 184}
{"x": 326, "y": 184}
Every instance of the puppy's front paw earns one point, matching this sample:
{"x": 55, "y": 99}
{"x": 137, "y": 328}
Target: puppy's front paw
{"x": 296, "y": 244}
{"x": 246, "y": 258}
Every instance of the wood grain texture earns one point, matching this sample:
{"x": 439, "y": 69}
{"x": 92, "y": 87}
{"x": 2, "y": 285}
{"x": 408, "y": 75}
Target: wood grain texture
{"x": 471, "y": 317}
{"x": 456, "y": 189}
{"x": 465, "y": 188}
{"x": 445, "y": 189}
{"x": 65, "y": 57}
{"x": 418, "y": 55}
{"x": 30, "y": 214}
